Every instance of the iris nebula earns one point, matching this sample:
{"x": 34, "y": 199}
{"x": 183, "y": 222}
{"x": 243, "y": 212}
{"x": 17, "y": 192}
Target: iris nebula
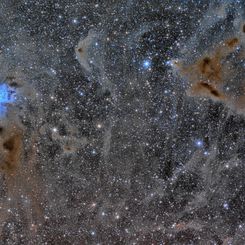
{"x": 7, "y": 96}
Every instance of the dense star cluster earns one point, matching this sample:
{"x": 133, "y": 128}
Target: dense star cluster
{"x": 122, "y": 122}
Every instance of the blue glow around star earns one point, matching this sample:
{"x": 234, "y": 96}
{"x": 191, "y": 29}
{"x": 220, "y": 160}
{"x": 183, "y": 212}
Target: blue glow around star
{"x": 199, "y": 143}
{"x": 7, "y": 96}
{"x": 147, "y": 64}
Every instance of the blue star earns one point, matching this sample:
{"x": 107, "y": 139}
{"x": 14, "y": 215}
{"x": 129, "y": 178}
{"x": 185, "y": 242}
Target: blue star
{"x": 226, "y": 206}
{"x": 81, "y": 93}
{"x": 199, "y": 143}
{"x": 147, "y": 64}
{"x": 168, "y": 63}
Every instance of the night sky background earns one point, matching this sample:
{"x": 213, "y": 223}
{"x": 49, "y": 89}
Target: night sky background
{"x": 111, "y": 146}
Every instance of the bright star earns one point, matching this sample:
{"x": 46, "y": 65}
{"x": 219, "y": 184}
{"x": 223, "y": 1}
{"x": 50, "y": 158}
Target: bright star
{"x": 199, "y": 143}
{"x": 226, "y": 206}
{"x": 147, "y": 64}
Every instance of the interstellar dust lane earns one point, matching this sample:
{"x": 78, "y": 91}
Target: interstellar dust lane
{"x": 122, "y": 122}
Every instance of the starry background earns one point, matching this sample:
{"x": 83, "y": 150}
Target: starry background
{"x": 124, "y": 156}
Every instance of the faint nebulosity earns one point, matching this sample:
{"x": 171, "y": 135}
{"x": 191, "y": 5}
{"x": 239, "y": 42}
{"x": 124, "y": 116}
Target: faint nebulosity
{"x": 122, "y": 122}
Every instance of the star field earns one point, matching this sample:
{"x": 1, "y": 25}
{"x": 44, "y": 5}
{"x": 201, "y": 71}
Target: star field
{"x": 122, "y": 122}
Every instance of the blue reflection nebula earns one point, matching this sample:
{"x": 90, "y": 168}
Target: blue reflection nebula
{"x": 7, "y": 96}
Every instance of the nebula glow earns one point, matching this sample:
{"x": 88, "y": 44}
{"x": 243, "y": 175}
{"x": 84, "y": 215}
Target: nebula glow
{"x": 7, "y": 96}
